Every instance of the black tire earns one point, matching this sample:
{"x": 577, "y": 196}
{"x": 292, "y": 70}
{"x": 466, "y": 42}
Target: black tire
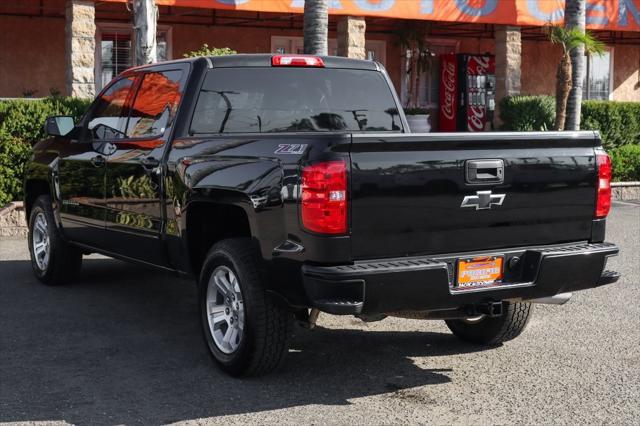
{"x": 493, "y": 331}
{"x": 264, "y": 341}
{"x": 64, "y": 260}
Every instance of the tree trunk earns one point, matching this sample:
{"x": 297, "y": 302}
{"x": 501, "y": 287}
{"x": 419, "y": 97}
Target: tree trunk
{"x": 574, "y": 17}
{"x": 409, "y": 78}
{"x": 145, "y": 20}
{"x": 416, "y": 70}
{"x": 563, "y": 87}
{"x": 316, "y": 26}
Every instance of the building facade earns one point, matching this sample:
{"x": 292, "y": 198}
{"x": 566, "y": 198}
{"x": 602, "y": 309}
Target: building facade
{"x": 75, "y": 47}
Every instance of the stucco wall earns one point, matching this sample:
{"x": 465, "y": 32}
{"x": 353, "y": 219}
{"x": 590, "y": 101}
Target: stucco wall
{"x": 626, "y": 73}
{"x": 32, "y": 50}
{"x": 393, "y": 63}
{"x": 31, "y": 55}
{"x": 244, "y": 40}
{"x": 540, "y": 59}
{"x": 258, "y": 40}
{"x": 539, "y": 62}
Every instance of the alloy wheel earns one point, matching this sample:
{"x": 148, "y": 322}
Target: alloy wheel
{"x": 41, "y": 242}
{"x": 225, "y": 309}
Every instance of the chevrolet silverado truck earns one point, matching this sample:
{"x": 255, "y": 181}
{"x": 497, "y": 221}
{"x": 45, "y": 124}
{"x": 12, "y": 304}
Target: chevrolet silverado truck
{"x": 290, "y": 185}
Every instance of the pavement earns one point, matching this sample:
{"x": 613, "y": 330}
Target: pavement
{"x": 123, "y": 345}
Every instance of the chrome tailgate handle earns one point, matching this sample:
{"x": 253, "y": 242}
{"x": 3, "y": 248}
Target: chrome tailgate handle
{"x": 478, "y": 172}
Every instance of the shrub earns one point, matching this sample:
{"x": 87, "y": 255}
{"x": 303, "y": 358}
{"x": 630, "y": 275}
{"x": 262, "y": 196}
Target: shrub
{"x": 618, "y": 122}
{"x": 527, "y": 113}
{"x": 14, "y": 153}
{"x": 25, "y": 118}
{"x": 626, "y": 163}
{"x": 21, "y": 125}
{"x": 205, "y": 50}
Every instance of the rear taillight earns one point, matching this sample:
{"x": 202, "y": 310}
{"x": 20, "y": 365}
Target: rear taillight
{"x": 603, "y": 201}
{"x": 296, "y": 61}
{"x": 324, "y": 197}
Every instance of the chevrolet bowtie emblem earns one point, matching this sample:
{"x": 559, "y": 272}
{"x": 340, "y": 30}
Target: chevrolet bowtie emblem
{"x": 483, "y": 200}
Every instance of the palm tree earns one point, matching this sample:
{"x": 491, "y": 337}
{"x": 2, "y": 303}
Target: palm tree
{"x": 569, "y": 39}
{"x": 574, "y": 17}
{"x": 316, "y": 26}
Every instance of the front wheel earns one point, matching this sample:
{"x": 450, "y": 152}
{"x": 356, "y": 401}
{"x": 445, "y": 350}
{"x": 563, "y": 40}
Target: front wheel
{"x": 246, "y": 332}
{"x": 493, "y": 330}
{"x": 54, "y": 261}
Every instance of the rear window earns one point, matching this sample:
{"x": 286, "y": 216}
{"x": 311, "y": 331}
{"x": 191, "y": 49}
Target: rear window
{"x": 262, "y": 100}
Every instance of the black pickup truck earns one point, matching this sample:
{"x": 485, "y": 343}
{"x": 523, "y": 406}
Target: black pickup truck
{"x": 289, "y": 185}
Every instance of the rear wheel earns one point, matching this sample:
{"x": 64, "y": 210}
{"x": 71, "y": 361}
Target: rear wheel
{"x": 246, "y": 332}
{"x": 53, "y": 260}
{"x": 493, "y": 330}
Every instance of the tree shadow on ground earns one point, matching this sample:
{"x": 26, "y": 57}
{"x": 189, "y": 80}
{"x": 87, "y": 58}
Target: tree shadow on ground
{"x": 123, "y": 344}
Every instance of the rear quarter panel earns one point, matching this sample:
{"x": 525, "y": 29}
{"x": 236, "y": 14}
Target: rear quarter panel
{"x": 260, "y": 174}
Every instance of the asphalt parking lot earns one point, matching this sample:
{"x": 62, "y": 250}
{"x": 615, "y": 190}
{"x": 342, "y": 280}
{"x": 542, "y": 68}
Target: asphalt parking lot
{"x": 123, "y": 345}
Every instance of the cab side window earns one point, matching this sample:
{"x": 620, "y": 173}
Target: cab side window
{"x": 155, "y": 105}
{"x": 109, "y": 116}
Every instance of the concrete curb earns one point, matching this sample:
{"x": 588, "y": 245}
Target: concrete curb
{"x": 14, "y": 225}
{"x": 12, "y": 221}
{"x": 625, "y": 191}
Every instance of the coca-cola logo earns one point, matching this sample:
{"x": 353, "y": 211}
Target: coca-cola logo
{"x": 449, "y": 83}
{"x": 475, "y": 119}
{"x": 479, "y": 65}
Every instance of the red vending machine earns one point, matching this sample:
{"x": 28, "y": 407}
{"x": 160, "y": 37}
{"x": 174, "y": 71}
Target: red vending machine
{"x": 467, "y": 92}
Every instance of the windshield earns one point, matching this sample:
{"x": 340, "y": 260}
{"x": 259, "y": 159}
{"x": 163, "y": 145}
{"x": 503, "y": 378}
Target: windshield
{"x": 260, "y": 100}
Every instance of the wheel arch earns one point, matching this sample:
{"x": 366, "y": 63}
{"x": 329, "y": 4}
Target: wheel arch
{"x": 33, "y": 188}
{"x": 211, "y": 221}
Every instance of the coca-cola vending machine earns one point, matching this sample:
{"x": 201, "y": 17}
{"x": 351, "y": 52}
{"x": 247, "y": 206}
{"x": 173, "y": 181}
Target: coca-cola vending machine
{"x": 467, "y": 92}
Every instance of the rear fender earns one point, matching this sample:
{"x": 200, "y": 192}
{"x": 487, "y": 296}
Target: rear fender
{"x": 253, "y": 184}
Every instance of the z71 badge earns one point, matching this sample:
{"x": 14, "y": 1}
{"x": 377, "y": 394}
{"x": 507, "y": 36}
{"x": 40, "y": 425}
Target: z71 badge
{"x": 295, "y": 148}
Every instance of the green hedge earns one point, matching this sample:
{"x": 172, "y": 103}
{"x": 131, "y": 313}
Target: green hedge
{"x": 21, "y": 125}
{"x": 625, "y": 161}
{"x": 14, "y": 153}
{"x": 618, "y": 122}
{"x": 527, "y": 113}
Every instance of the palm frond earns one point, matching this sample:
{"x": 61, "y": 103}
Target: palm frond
{"x": 592, "y": 46}
{"x": 570, "y": 38}
{"x": 557, "y": 35}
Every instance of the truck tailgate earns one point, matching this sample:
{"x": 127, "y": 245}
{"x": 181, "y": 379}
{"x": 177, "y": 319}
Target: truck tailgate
{"x": 407, "y": 191}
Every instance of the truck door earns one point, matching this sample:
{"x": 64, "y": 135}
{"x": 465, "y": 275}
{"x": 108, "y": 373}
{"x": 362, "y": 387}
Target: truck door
{"x": 82, "y": 165}
{"x": 134, "y": 193}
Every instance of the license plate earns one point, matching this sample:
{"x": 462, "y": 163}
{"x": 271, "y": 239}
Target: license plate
{"x": 479, "y": 272}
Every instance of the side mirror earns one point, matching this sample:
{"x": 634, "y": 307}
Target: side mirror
{"x": 58, "y": 125}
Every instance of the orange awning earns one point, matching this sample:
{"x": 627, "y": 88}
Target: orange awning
{"x": 614, "y": 15}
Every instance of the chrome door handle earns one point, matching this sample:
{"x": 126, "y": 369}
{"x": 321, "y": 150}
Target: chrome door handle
{"x": 480, "y": 172}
